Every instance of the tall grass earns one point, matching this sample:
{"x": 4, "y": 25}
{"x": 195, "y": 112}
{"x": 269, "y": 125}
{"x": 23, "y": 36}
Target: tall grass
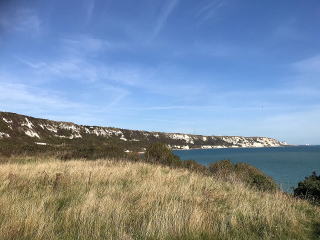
{"x": 123, "y": 200}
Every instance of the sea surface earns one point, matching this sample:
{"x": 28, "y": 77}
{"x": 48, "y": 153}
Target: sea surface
{"x": 286, "y": 165}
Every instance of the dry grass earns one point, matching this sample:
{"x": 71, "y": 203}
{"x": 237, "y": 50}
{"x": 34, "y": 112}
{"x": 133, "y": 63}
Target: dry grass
{"x": 122, "y": 200}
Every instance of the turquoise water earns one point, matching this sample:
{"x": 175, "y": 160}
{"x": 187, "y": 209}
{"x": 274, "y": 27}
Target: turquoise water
{"x": 286, "y": 165}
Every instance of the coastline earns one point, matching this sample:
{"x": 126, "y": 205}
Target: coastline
{"x": 179, "y": 149}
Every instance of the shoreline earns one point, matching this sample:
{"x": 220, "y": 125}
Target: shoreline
{"x": 177, "y": 149}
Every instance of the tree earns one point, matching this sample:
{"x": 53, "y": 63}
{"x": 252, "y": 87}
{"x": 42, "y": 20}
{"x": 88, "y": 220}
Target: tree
{"x": 160, "y": 153}
{"x": 309, "y": 188}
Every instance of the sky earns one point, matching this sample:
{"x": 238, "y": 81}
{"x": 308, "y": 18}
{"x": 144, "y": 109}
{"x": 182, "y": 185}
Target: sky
{"x": 211, "y": 67}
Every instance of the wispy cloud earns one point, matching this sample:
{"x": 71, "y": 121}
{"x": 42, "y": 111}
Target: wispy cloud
{"x": 83, "y": 44}
{"x": 306, "y": 73}
{"x": 80, "y": 69}
{"x": 209, "y": 10}
{"x": 119, "y": 94}
{"x": 162, "y": 82}
{"x": 229, "y": 107}
{"x": 21, "y": 20}
{"x": 38, "y": 101}
{"x": 77, "y": 61}
{"x": 89, "y": 8}
{"x": 31, "y": 64}
{"x": 287, "y": 30}
{"x": 22, "y": 96}
{"x": 168, "y": 8}
{"x": 304, "y": 122}
{"x": 308, "y": 65}
{"x": 73, "y": 64}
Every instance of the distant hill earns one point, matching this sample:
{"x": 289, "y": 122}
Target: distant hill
{"x": 18, "y": 128}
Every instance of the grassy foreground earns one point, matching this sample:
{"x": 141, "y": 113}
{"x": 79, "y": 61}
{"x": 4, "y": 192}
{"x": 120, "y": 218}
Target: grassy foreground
{"x": 51, "y": 199}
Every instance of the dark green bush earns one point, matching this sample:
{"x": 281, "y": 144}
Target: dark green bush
{"x": 309, "y": 188}
{"x": 133, "y": 156}
{"x": 194, "y": 166}
{"x": 12, "y": 148}
{"x": 160, "y": 153}
{"x": 93, "y": 152}
{"x": 243, "y": 172}
{"x": 255, "y": 177}
{"x": 223, "y": 168}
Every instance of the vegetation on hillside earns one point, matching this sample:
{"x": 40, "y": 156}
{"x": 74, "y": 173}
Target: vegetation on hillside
{"x": 63, "y": 136}
{"x": 51, "y": 199}
{"x": 88, "y": 150}
{"x": 225, "y": 169}
{"x": 309, "y": 188}
{"x": 160, "y": 153}
{"x": 243, "y": 172}
{"x": 156, "y": 153}
{"x": 151, "y": 196}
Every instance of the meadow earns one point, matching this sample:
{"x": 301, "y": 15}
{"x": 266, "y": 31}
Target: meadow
{"x": 48, "y": 199}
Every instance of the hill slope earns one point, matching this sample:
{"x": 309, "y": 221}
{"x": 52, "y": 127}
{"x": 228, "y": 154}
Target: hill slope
{"x": 25, "y": 129}
{"x": 51, "y": 199}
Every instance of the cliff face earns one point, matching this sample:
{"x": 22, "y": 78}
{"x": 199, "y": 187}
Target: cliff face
{"x": 25, "y": 129}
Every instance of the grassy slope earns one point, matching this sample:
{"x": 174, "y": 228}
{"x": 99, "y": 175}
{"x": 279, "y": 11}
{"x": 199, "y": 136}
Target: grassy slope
{"x": 114, "y": 200}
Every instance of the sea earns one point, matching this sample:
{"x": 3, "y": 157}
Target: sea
{"x": 286, "y": 165}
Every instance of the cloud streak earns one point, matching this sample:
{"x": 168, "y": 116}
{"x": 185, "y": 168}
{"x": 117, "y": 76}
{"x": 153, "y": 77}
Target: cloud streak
{"x": 22, "y": 96}
{"x": 163, "y": 18}
{"x": 56, "y": 105}
{"x": 77, "y": 61}
{"x": 21, "y": 20}
{"x": 89, "y": 7}
{"x": 209, "y": 10}
{"x": 306, "y": 74}
{"x": 77, "y": 67}
{"x": 31, "y": 64}
{"x": 308, "y": 65}
{"x": 83, "y": 44}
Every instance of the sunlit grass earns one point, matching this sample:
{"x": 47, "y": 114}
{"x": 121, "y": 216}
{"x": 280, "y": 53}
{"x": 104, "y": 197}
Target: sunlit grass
{"x": 50, "y": 199}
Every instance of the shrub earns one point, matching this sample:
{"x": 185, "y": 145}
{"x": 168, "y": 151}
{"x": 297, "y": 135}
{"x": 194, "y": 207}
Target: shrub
{"x": 160, "y": 153}
{"x": 309, "y": 188}
{"x": 194, "y": 166}
{"x": 243, "y": 172}
{"x": 93, "y": 152}
{"x": 133, "y": 156}
{"x": 255, "y": 177}
{"x": 223, "y": 168}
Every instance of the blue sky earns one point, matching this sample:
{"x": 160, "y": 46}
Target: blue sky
{"x": 219, "y": 67}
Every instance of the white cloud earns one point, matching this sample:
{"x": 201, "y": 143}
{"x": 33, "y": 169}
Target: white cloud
{"x": 309, "y": 65}
{"x": 287, "y": 30}
{"x": 80, "y": 69}
{"x": 74, "y": 65}
{"x": 57, "y": 105}
{"x": 89, "y": 7}
{"x": 119, "y": 95}
{"x": 306, "y": 75}
{"x": 35, "y": 65}
{"x": 84, "y": 44}
{"x": 22, "y": 20}
{"x": 163, "y": 18}
{"x": 301, "y": 127}
{"x": 175, "y": 89}
{"x": 78, "y": 61}
{"x": 21, "y": 96}
{"x": 209, "y": 10}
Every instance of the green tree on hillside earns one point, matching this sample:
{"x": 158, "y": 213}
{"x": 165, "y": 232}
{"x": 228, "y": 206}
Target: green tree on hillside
{"x": 160, "y": 153}
{"x": 309, "y": 188}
